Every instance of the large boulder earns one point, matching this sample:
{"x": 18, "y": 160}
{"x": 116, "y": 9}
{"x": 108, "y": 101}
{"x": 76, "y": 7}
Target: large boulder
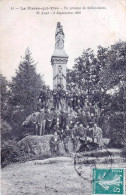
{"x": 40, "y": 145}
{"x": 37, "y": 145}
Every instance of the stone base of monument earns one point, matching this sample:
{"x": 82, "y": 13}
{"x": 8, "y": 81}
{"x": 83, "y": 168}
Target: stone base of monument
{"x": 40, "y": 145}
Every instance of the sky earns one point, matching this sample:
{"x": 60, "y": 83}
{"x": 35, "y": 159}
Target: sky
{"x": 21, "y": 29}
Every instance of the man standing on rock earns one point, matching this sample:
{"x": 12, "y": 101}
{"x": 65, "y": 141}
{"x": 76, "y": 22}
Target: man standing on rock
{"x": 54, "y": 144}
{"x": 69, "y": 119}
{"x": 66, "y": 139}
{"x": 63, "y": 119}
{"x": 43, "y": 121}
{"x": 97, "y": 134}
{"x": 49, "y": 120}
{"x": 74, "y": 135}
{"x": 82, "y": 131}
{"x": 54, "y": 113}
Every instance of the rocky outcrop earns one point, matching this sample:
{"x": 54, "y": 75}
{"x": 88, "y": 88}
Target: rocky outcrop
{"x": 40, "y": 145}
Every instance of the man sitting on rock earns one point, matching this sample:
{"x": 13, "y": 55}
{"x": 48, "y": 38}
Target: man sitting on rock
{"x": 82, "y": 138}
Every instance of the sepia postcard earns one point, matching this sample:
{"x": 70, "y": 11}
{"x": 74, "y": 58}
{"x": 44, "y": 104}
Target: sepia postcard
{"x": 63, "y": 97}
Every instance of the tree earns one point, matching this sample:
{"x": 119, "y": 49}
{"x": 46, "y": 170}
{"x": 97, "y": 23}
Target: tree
{"x": 113, "y": 63}
{"x": 6, "y": 130}
{"x": 85, "y": 73}
{"x": 5, "y": 108}
{"x": 4, "y": 96}
{"x": 27, "y": 84}
{"x": 102, "y": 76}
{"x": 25, "y": 89}
{"x": 112, "y": 80}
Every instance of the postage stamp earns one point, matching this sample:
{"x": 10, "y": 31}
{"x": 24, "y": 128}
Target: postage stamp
{"x": 112, "y": 183}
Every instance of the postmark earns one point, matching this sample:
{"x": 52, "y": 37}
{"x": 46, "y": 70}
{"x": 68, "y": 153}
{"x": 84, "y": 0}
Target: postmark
{"x": 108, "y": 183}
{"x": 86, "y": 161}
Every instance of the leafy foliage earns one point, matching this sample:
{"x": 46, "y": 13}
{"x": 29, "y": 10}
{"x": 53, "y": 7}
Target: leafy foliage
{"x": 4, "y": 97}
{"x": 27, "y": 84}
{"x": 25, "y": 89}
{"x": 12, "y": 152}
{"x": 20, "y": 96}
{"x": 102, "y": 77}
{"x": 112, "y": 61}
{"x": 6, "y": 130}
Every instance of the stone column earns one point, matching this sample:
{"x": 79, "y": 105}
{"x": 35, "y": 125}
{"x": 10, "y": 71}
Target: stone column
{"x": 59, "y": 61}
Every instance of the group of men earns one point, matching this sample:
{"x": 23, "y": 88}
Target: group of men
{"x": 66, "y": 125}
{"x": 74, "y": 98}
{"x": 76, "y": 122}
{"x": 78, "y": 133}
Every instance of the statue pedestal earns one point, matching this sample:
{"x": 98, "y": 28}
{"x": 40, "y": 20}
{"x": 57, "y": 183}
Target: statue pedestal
{"x": 59, "y": 61}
